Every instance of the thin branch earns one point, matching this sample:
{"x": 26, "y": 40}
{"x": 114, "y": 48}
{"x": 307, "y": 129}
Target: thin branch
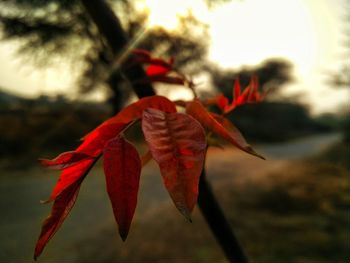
{"x": 110, "y": 28}
{"x": 218, "y": 223}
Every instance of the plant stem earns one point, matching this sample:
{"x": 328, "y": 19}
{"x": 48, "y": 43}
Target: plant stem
{"x": 218, "y": 224}
{"x": 110, "y": 28}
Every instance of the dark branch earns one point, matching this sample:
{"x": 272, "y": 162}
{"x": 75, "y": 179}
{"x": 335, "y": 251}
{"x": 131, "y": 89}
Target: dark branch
{"x": 110, "y": 28}
{"x": 218, "y": 223}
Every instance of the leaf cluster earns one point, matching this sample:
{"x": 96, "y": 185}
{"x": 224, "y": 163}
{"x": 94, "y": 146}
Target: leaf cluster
{"x": 177, "y": 141}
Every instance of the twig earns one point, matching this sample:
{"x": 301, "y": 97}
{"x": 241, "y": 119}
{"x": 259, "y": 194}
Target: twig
{"x": 218, "y": 223}
{"x": 110, "y": 28}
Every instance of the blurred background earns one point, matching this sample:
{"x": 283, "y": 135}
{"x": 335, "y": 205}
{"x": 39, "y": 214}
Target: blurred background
{"x": 56, "y": 85}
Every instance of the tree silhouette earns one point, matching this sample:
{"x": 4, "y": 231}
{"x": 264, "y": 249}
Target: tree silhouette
{"x": 341, "y": 79}
{"x": 61, "y": 28}
{"x": 272, "y": 75}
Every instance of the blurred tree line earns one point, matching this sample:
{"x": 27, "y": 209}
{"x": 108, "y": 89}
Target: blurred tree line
{"x": 62, "y": 28}
{"x": 51, "y": 29}
{"x": 341, "y": 79}
{"x": 273, "y": 120}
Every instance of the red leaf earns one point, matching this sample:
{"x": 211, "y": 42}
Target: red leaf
{"x": 235, "y": 133}
{"x": 197, "y": 110}
{"x": 111, "y": 127}
{"x": 154, "y": 70}
{"x": 60, "y": 210}
{"x": 134, "y": 110}
{"x": 96, "y": 140}
{"x": 255, "y": 95}
{"x": 156, "y": 65}
{"x": 177, "y": 143}
{"x": 65, "y": 160}
{"x": 222, "y": 102}
{"x": 243, "y": 98}
{"x": 66, "y": 190}
{"x": 161, "y": 62}
{"x": 250, "y": 94}
{"x": 122, "y": 167}
{"x": 236, "y": 89}
{"x": 71, "y": 175}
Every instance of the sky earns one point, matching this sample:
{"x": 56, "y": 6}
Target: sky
{"x": 309, "y": 33}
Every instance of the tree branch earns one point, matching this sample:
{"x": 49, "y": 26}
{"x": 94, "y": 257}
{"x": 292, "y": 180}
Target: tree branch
{"x": 218, "y": 223}
{"x": 110, "y": 28}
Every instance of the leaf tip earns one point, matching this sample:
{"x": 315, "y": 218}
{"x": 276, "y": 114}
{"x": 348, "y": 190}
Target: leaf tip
{"x": 37, "y": 253}
{"x": 123, "y": 234}
{"x": 188, "y": 217}
{"x": 185, "y": 212}
{"x": 253, "y": 152}
{"x": 261, "y": 157}
{"x": 42, "y": 161}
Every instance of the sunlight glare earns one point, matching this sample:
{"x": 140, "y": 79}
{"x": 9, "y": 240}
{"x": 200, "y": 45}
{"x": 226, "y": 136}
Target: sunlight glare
{"x": 256, "y": 31}
{"x": 166, "y": 13}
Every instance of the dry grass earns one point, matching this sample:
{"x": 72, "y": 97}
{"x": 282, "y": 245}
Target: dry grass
{"x": 282, "y": 211}
{"x": 299, "y": 214}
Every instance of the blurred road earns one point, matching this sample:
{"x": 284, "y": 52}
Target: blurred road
{"x": 300, "y": 148}
{"x": 20, "y": 192}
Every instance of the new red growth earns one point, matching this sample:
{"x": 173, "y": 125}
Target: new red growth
{"x": 176, "y": 141}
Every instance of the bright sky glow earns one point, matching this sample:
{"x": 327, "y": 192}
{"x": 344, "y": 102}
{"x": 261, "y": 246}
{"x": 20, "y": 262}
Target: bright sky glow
{"x": 244, "y": 33}
{"x": 306, "y": 32}
{"x": 165, "y": 13}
